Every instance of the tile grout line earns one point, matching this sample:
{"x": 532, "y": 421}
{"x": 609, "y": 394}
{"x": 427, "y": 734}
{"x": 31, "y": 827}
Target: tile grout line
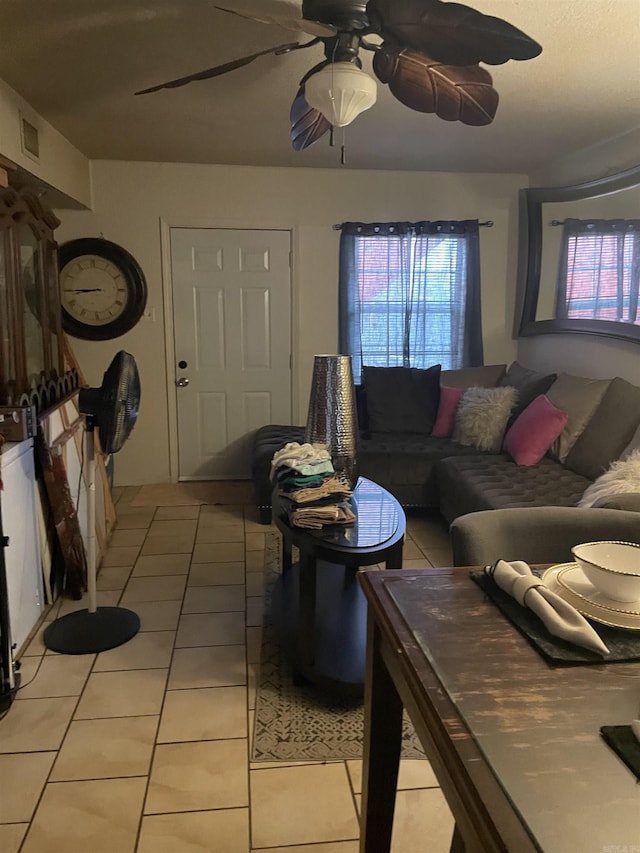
{"x": 141, "y": 816}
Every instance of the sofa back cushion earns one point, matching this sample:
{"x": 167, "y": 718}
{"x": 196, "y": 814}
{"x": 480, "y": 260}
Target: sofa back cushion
{"x": 579, "y": 397}
{"x": 485, "y": 376}
{"x": 609, "y": 431}
{"x": 482, "y": 416}
{"x": 529, "y": 383}
{"x": 361, "y": 408}
{"x": 402, "y": 399}
{"x": 634, "y": 444}
{"x": 622, "y": 477}
{"x": 534, "y": 431}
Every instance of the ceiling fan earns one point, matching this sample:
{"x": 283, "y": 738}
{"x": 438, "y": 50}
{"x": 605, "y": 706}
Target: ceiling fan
{"x": 427, "y": 51}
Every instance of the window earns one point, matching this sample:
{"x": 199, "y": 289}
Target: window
{"x": 410, "y": 294}
{"x": 599, "y": 275}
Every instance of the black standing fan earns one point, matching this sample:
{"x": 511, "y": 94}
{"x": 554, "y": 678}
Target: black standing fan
{"x": 113, "y": 408}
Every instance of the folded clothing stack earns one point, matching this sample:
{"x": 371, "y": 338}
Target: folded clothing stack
{"x": 304, "y": 474}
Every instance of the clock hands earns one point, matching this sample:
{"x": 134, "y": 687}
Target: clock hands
{"x": 83, "y": 290}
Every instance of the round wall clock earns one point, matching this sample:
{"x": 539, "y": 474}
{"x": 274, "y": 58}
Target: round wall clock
{"x": 102, "y": 289}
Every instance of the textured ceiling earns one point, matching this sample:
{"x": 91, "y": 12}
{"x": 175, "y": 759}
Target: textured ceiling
{"x": 78, "y": 63}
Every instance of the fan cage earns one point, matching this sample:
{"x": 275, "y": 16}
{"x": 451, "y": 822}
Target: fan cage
{"x": 114, "y": 406}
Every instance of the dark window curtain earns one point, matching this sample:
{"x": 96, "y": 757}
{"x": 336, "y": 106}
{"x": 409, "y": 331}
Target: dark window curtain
{"x": 409, "y": 294}
{"x": 599, "y": 270}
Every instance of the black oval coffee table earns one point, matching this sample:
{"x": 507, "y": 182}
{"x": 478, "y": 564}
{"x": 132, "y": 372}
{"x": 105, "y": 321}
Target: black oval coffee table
{"x": 318, "y": 609}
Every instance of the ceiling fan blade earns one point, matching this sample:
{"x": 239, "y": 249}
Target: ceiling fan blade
{"x": 307, "y": 123}
{"x": 453, "y": 92}
{"x": 283, "y": 13}
{"x": 450, "y": 32}
{"x": 217, "y": 70}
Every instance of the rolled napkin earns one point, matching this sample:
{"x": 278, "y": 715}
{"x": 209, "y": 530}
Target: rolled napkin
{"x": 559, "y": 617}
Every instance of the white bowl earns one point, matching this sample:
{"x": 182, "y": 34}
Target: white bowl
{"x": 612, "y": 567}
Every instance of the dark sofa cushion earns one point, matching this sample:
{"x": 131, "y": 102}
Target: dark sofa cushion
{"x": 473, "y": 483}
{"x": 608, "y": 432}
{"x": 483, "y": 376}
{"x": 266, "y": 441}
{"x": 404, "y": 464}
{"x": 402, "y": 399}
{"x": 579, "y": 397}
{"x": 529, "y": 383}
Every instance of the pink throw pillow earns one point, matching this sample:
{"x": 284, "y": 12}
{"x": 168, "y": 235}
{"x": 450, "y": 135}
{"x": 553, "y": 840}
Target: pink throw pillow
{"x": 534, "y": 431}
{"x": 446, "y": 417}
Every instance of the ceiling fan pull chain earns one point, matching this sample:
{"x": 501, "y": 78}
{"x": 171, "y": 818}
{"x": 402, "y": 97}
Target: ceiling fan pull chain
{"x": 343, "y": 148}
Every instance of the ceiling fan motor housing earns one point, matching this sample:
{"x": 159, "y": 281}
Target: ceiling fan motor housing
{"x": 343, "y": 48}
{"x": 342, "y": 14}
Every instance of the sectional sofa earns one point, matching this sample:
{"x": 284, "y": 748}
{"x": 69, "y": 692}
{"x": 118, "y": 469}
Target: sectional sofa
{"x": 447, "y": 439}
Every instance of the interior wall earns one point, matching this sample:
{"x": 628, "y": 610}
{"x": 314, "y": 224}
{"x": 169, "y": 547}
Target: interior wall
{"x": 131, "y": 201}
{"x": 585, "y": 355}
{"x": 59, "y": 163}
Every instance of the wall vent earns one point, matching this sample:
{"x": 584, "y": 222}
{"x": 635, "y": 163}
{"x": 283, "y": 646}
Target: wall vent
{"x": 29, "y": 139}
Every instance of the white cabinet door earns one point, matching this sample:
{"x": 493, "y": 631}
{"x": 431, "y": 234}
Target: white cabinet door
{"x": 22, "y": 555}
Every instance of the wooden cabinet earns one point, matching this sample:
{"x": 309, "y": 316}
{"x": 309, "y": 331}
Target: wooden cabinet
{"x": 31, "y": 360}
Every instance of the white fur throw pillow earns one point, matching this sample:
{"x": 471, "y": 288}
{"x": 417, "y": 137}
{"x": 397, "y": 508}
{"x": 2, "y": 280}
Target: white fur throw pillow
{"x": 482, "y": 415}
{"x": 622, "y": 476}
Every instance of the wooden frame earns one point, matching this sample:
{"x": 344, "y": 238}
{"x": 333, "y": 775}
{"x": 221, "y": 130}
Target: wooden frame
{"x": 530, "y": 251}
{"x": 30, "y": 360}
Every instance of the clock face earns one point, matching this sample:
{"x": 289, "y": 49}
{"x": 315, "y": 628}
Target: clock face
{"x": 93, "y": 290}
{"x": 102, "y": 289}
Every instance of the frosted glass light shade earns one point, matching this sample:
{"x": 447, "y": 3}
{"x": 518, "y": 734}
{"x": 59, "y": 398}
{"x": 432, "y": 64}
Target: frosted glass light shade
{"x": 341, "y": 91}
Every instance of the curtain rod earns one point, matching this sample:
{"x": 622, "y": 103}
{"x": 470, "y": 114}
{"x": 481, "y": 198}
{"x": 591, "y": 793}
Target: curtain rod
{"x": 487, "y": 224}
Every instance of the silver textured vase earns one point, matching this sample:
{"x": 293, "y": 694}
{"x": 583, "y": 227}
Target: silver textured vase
{"x": 332, "y": 418}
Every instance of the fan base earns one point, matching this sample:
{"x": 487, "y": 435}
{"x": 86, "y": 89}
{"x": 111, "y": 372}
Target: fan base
{"x": 84, "y": 633}
{"x": 7, "y": 696}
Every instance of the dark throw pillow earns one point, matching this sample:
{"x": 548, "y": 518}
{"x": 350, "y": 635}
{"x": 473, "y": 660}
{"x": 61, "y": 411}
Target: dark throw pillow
{"x": 529, "y": 383}
{"x": 402, "y": 399}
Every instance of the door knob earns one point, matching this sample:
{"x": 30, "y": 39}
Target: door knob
{"x": 182, "y": 382}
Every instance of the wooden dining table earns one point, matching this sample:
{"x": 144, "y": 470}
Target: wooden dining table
{"x": 514, "y": 742}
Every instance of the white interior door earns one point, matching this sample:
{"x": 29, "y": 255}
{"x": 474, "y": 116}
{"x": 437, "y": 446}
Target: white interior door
{"x": 232, "y": 328}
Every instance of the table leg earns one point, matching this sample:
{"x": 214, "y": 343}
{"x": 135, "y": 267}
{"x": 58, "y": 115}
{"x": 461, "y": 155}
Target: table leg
{"x": 382, "y": 742}
{"x": 394, "y": 556}
{"x": 286, "y": 555}
{"x": 457, "y": 842}
{"x": 307, "y": 609}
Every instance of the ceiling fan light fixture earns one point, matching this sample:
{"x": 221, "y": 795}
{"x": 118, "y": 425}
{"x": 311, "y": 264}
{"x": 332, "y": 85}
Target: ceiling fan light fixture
{"x": 341, "y": 91}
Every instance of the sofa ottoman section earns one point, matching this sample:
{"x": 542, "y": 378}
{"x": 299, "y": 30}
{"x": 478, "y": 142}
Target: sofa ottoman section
{"x": 473, "y": 483}
{"x": 268, "y": 440}
{"x": 404, "y": 464}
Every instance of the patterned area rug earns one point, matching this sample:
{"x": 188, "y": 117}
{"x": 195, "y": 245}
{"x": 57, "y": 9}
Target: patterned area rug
{"x": 194, "y": 494}
{"x": 300, "y": 723}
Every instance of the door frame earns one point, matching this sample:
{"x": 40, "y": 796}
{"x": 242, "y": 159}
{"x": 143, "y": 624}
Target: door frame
{"x": 167, "y": 303}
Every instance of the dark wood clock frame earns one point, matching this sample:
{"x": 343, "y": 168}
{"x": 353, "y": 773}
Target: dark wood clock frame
{"x": 134, "y": 280}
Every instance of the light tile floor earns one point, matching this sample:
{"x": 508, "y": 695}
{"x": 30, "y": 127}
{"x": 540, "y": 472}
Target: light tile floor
{"x": 146, "y": 747}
